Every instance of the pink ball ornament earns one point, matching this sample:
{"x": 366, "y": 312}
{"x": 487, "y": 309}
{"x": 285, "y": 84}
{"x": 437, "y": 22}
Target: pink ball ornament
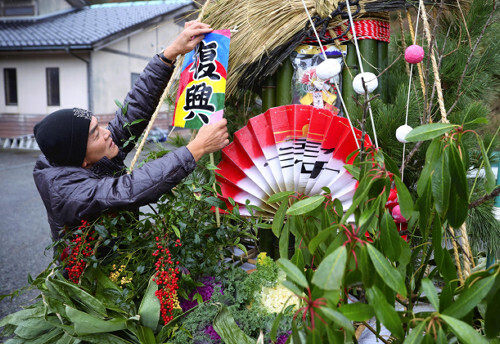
{"x": 397, "y": 216}
{"x": 414, "y": 54}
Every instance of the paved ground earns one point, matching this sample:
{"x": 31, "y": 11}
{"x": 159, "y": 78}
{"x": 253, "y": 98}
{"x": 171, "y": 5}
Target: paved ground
{"x": 24, "y": 231}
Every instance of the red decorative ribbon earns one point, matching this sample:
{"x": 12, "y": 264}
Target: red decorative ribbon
{"x": 365, "y": 29}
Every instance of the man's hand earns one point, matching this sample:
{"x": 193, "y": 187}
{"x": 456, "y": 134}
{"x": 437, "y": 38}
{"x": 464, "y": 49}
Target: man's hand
{"x": 210, "y": 138}
{"x": 194, "y": 31}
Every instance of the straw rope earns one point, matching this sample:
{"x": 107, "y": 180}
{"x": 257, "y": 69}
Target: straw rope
{"x": 160, "y": 103}
{"x": 444, "y": 119}
{"x": 414, "y": 40}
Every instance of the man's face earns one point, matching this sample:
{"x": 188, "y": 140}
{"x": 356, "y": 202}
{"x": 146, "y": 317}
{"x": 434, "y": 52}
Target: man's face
{"x": 99, "y": 144}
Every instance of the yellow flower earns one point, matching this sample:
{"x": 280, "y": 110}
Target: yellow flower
{"x": 263, "y": 259}
{"x": 126, "y": 280}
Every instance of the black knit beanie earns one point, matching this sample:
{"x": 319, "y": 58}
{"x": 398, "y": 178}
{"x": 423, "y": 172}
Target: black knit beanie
{"x": 62, "y": 136}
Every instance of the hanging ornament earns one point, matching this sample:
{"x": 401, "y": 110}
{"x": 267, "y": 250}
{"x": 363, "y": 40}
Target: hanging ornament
{"x": 402, "y": 131}
{"x": 392, "y": 200}
{"x": 328, "y": 69}
{"x": 297, "y": 148}
{"x": 370, "y": 80}
{"x": 397, "y": 216}
{"x": 414, "y": 54}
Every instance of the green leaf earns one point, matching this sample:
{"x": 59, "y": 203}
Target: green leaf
{"x": 357, "y": 311}
{"x": 479, "y": 120}
{"x": 293, "y": 272}
{"x": 463, "y": 331}
{"x": 87, "y": 324}
{"x": 274, "y": 329}
{"x": 284, "y": 241}
{"x": 321, "y": 237}
{"x": 389, "y": 237}
{"x": 306, "y": 205}
{"x": 470, "y": 297}
{"x": 431, "y": 156}
{"x": 429, "y": 131}
{"x": 441, "y": 184}
{"x": 279, "y": 218}
{"x": 404, "y": 198}
{"x": 32, "y": 328}
{"x": 430, "y": 292}
{"x": 82, "y": 296}
{"x": 353, "y": 171}
{"x": 103, "y": 338}
{"x": 292, "y": 287}
{"x": 490, "y": 176}
{"x": 338, "y": 318}
{"x": 458, "y": 209}
{"x": 386, "y": 271}
{"x": 391, "y": 165}
{"x": 416, "y": 334}
{"x": 149, "y": 310}
{"x": 18, "y": 317}
{"x": 457, "y": 172}
{"x": 365, "y": 265}
{"x": 385, "y": 312}
{"x": 280, "y": 196}
{"x": 228, "y": 330}
{"x": 492, "y": 316}
{"x": 176, "y": 230}
{"x": 330, "y": 271}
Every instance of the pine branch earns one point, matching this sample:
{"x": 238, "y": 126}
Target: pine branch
{"x": 462, "y": 77}
{"x": 485, "y": 198}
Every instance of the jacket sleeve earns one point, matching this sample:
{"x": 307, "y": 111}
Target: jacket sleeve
{"x": 140, "y": 102}
{"x": 83, "y": 197}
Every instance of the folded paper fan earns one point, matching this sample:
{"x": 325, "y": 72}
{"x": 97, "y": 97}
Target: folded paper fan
{"x": 297, "y": 148}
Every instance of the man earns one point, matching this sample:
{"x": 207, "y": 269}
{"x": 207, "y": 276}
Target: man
{"x": 81, "y": 173}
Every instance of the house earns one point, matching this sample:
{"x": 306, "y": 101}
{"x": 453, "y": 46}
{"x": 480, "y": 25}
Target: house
{"x": 67, "y": 53}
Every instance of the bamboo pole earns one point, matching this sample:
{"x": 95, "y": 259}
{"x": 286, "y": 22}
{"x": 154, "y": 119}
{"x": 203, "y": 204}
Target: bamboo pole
{"x": 382, "y": 63}
{"x": 266, "y": 236}
{"x": 350, "y": 70}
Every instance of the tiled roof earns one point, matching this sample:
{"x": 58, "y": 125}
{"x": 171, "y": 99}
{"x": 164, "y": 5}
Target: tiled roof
{"x": 82, "y": 28}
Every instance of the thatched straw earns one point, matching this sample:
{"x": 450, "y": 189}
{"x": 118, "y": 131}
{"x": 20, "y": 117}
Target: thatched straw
{"x": 269, "y": 30}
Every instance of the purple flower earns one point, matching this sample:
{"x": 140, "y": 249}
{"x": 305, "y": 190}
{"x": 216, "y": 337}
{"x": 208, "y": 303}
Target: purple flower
{"x": 210, "y": 331}
{"x": 282, "y": 339}
{"x": 206, "y": 291}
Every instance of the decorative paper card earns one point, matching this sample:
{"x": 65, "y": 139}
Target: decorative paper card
{"x": 202, "y": 84}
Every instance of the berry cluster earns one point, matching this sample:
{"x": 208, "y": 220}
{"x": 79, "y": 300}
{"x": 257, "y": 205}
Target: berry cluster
{"x": 166, "y": 279}
{"x": 81, "y": 249}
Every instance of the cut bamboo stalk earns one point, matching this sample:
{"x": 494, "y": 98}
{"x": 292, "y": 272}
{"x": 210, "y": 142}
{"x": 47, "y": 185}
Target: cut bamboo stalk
{"x": 383, "y": 61}
{"x": 351, "y": 69}
{"x": 284, "y": 83}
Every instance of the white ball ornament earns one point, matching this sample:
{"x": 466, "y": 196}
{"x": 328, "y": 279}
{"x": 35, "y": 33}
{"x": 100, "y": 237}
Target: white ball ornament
{"x": 402, "y": 131}
{"x": 328, "y": 69}
{"x": 370, "y": 80}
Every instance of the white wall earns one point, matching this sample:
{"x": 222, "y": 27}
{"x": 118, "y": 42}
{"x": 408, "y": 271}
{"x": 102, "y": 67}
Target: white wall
{"x": 32, "y": 85}
{"x": 111, "y": 72}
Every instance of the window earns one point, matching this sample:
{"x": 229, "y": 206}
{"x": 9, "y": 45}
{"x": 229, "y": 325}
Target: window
{"x": 53, "y": 96}
{"x": 133, "y": 78}
{"x": 10, "y": 81}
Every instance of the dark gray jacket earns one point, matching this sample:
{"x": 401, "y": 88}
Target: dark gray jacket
{"x": 72, "y": 194}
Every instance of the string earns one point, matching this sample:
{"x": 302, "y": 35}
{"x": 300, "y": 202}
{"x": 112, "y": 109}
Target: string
{"x": 335, "y": 81}
{"x": 408, "y": 98}
{"x": 355, "y": 39}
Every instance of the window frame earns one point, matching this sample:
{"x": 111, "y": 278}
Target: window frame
{"x": 51, "y": 101}
{"x": 10, "y": 99}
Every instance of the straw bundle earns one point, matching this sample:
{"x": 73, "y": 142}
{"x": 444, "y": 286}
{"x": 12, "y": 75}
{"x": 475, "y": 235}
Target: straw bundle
{"x": 269, "y": 30}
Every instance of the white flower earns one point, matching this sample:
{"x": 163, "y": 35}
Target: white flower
{"x": 277, "y": 298}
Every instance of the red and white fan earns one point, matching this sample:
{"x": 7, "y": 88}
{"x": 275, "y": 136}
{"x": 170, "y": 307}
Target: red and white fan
{"x": 297, "y": 148}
